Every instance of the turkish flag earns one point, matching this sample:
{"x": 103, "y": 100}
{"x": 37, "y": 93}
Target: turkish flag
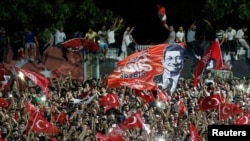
{"x": 144, "y": 70}
{"x": 74, "y": 44}
{"x": 100, "y": 137}
{"x": 116, "y": 134}
{"x": 37, "y": 123}
{"x": 4, "y": 103}
{"x": 133, "y": 121}
{"x": 62, "y": 118}
{"x": 109, "y": 101}
{"x": 226, "y": 110}
{"x": 194, "y": 134}
{"x": 161, "y": 95}
{"x": 162, "y": 14}
{"x": 147, "y": 96}
{"x": 181, "y": 107}
{"x": 90, "y": 45}
{"x": 244, "y": 119}
{"x": 212, "y": 55}
{"x": 210, "y": 102}
{"x": 38, "y": 79}
{"x": 30, "y": 108}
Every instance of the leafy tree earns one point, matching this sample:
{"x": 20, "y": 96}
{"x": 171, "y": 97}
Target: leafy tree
{"x": 221, "y": 9}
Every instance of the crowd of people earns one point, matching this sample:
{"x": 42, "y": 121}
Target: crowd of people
{"x": 79, "y": 101}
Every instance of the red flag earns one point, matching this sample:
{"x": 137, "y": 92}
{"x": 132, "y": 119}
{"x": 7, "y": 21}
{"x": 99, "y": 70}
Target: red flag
{"x": 161, "y": 95}
{"x": 109, "y": 101}
{"x": 4, "y": 103}
{"x": 145, "y": 95}
{"x": 116, "y": 134}
{"x": 150, "y": 68}
{"x": 38, "y": 124}
{"x": 244, "y": 119}
{"x": 210, "y": 102}
{"x": 194, "y": 135}
{"x": 181, "y": 107}
{"x": 212, "y": 55}
{"x": 38, "y": 79}
{"x": 30, "y": 108}
{"x": 133, "y": 121}
{"x": 226, "y": 110}
{"x": 162, "y": 14}
{"x": 100, "y": 137}
{"x": 75, "y": 43}
{"x": 62, "y": 118}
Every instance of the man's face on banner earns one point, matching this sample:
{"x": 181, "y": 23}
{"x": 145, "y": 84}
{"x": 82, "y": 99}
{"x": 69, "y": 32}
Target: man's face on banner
{"x": 173, "y": 61}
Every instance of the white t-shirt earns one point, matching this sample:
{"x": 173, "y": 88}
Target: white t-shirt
{"x": 180, "y": 36}
{"x": 231, "y": 34}
{"x": 240, "y": 34}
{"x": 111, "y": 36}
{"x": 59, "y": 37}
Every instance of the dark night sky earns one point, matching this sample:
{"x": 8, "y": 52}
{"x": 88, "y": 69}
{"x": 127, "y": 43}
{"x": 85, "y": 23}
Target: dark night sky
{"x": 142, "y": 14}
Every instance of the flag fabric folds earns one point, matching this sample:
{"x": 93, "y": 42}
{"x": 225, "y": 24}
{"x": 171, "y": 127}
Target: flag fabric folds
{"x": 150, "y": 69}
{"x": 37, "y": 79}
{"x": 211, "y": 56}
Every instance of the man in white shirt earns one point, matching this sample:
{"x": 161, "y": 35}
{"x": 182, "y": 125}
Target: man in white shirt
{"x": 240, "y": 35}
{"x": 60, "y": 36}
{"x": 231, "y": 43}
{"x": 180, "y": 35}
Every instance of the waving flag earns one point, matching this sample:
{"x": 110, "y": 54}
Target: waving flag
{"x": 147, "y": 96}
{"x": 156, "y": 67}
{"x": 244, "y": 119}
{"x": 227, "y": 110}
{"x": 133, "y": 121}
{"x": 210, "y": 102}
{"x": 212, "y": 56}
{"x": 162, "y": 14}
{"x": 194, "y": 134}
{"x": 109, "y": 101}
{"x": 74, "y": 44}
{"x": 38, "y": 124}
{"x": 38, "y": 79}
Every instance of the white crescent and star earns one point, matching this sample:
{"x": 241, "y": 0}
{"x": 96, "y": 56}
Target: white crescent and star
{"x": 225, "y": 109}
{"x": 216, "y": 100}
{"x": 112, "y": 99}
{"x": 134, "y": 120}
{"x": 246, "y": 120}
{"x": 39, "y": 126}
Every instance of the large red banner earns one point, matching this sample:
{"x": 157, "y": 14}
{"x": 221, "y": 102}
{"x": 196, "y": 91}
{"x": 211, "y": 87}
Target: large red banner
{"x": 151, "y": 68}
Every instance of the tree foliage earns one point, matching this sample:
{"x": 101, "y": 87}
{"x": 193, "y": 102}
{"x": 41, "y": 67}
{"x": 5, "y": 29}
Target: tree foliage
{"x": 55, "y": 12}
{"x": 219, "y": 9}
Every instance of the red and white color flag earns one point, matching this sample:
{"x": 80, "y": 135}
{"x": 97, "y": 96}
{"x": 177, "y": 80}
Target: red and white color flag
{"x": 30, "y": 108}
{"x": 162, "y": 14}
{"x": 150, "y": 69}
{"x": 244, "y": 119}
{"x": 133, "y": 121}
{"x": 100, "y": 137}
{"x": 210, "y": 102}
{"x": 75, "y": 43}
{"x": 227, "y": 110}
{"x": 147, "y": 96}
{"x": 109, "y": 101}
{"x": 4, "y": 103}
{"x": 194, "y": 134}
{"x": 39, "y": 124}
{"x": 37, "y": 79}
{"x": 211, "y": 56}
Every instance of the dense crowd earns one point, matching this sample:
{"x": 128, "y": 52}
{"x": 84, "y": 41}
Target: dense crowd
{"x": 85, "y": 118}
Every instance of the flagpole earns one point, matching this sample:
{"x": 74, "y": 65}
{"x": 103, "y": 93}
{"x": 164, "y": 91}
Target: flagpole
{"x": 34, "y": 121}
